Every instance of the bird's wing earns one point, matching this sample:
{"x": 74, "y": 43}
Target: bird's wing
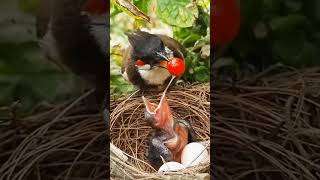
{"x": 173, "y": 45}
{"x": 191, "y": 133}
{"x": 158, "y": 149}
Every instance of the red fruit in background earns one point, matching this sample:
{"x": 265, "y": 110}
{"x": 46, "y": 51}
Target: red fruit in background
{"x": 176, "y": 66}
{"x": 225, "y": 21}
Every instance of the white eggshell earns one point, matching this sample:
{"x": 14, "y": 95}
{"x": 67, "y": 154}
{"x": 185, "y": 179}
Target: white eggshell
{"x": 170, "y": 166}
{"x": 191, "y": 151}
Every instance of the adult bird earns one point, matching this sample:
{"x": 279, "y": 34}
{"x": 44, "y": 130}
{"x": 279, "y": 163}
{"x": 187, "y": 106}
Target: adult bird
{"x": 74, "y": 35}
{"x": 169, "y": 136}
{"x": 145, "y": 59}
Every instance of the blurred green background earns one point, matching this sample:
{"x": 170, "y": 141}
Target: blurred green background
{"x": 187, "y": 21}
{"x": 25, "y": 74}
{"x": 272, "y": 31}
{"x": 286, "y": 31}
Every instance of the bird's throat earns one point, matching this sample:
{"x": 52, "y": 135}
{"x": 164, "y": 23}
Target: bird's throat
{"x": 154, "y": 76}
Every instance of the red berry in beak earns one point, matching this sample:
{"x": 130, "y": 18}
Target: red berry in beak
{"x": 176, "y": 66}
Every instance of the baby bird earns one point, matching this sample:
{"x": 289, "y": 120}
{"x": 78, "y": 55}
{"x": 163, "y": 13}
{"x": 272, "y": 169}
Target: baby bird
{"x": 170, "y": 135}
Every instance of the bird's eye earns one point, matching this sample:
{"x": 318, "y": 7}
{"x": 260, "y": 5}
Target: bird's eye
{"x": 139, "y": 62}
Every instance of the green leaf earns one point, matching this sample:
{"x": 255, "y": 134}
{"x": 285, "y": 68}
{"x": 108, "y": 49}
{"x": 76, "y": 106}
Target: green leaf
{"x": 186, "y": 36}
{"x": 205, "y": 5}
{"x": 143, "y": 5}
{"x": 181, "y": 13}
{"x": 130, "y": 9}
{"x": 202, "y": 74}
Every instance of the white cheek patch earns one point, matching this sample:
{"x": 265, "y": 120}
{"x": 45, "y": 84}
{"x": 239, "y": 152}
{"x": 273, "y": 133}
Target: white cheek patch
{"x": 144, "y": 67}
{"x": 154, "y": 76}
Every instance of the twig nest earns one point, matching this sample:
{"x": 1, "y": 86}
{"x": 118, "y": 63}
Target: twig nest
{"x": 171, "y": 167}
{"x": 193, "y": 154}
{"x": 130, "y": 132}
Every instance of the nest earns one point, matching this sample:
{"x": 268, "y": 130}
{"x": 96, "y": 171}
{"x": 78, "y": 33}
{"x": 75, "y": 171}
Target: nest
{"x": 264, "y": 127}
{"x": 268, "y": 126}
{"x": 54, "y": 142}
{"x": 129, "y": 131}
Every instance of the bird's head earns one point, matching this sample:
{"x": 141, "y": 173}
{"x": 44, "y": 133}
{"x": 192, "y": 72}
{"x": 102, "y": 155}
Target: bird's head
{"x": 159, "y": 116}
{"x": 148, "y": 50}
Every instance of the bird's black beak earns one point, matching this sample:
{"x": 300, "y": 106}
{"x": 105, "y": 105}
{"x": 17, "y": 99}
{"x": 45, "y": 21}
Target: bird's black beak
{"x": 165, "y": 59}
{"x": 163, "y": 55}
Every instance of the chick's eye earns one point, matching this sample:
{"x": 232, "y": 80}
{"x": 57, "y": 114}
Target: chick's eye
{"x": 139, "y": 62}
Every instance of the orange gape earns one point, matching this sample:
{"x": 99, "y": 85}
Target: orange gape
{"x": 182, "y": 141}
{"x": 96, "y": 7}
